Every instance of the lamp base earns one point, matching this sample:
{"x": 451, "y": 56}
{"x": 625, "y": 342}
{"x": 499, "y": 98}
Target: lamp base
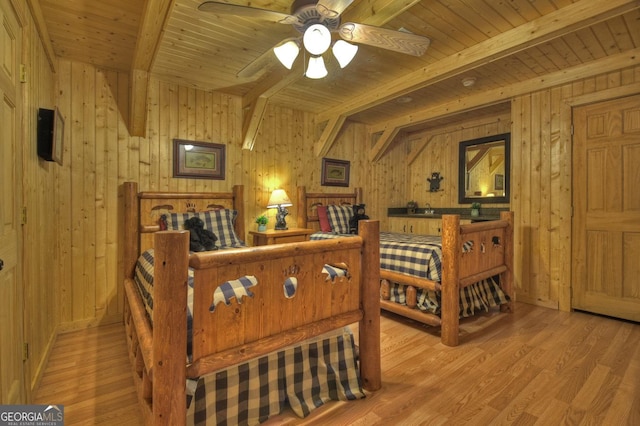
{"x": 281, "y": 223}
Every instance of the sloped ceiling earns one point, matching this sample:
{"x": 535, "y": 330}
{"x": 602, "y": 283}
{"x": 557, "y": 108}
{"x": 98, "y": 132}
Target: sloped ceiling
{"x": 508, "y": 47}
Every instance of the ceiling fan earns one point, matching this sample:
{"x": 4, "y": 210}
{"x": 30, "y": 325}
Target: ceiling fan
{"x": 316, "y": 20}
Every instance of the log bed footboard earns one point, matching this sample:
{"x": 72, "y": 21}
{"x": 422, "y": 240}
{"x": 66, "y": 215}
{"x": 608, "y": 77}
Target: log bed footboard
{"x": 491, "y": 254}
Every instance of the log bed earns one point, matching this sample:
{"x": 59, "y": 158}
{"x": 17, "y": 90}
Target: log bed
{"x": 492, "y": 255}
{"x": 261, "y": 324}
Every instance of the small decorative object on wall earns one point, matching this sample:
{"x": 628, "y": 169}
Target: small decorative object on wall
{"x": 335, "y": 172}
{"x": 199, "y": 160}
{"x": 434, "y": 182}
{"x": 499, "y": 182}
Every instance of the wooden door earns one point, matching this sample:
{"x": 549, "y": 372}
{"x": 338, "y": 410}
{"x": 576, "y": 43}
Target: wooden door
{"x": 606, "y": 203}
{"x": 12, "y": 389}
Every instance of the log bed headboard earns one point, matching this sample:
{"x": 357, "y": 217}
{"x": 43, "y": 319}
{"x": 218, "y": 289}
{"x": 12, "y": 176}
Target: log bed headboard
{"x": 308, "y": 203}
{"x": 150, "y": 205}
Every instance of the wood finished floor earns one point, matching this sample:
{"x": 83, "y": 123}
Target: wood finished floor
{"x": 537, "y": 366}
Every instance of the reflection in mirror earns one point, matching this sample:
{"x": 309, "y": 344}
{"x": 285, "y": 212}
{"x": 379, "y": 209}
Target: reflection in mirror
{"x": 483, "y": 170}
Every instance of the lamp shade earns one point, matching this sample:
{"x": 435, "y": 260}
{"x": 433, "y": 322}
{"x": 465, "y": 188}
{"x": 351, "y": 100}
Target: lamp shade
{"x": 344, "y": 52}
{"x": 317, "y": 39}
{"x": 279, "y": 198}
{"x": 287, "y": 53}
{"x": 316, "y": 68}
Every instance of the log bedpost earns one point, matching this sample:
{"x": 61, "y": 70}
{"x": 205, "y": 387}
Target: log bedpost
{"x": 370, "y": 363}
{"x": 302, "y": 207}
{"x": 451, "y": 252}
{"x": 238, "y": 205}
{"x": 506, "y": 278}
{"x": 170, "y": 327}
{"x": 130, "y": 230}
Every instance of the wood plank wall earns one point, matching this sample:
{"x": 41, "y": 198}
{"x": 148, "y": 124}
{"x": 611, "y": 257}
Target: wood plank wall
{"x": 101, "y": 155}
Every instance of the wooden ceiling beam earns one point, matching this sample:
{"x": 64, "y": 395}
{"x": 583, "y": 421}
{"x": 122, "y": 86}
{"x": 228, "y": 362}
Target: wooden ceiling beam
{"x": 254, "y": 103}
{"x": 328, "y": 136}
{"x": 627, "y": 59}
{"x": 383, "y": 143}
{"x": 548, "y": 27}
{"x": 155, "y": 16}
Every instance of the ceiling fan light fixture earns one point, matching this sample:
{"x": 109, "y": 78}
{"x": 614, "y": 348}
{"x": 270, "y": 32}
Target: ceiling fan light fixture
{"x": 287, "y": 53}
{"x": 344, "y": 52}
{"x": 316, "y": 39}
{"x": 316, "y": 68}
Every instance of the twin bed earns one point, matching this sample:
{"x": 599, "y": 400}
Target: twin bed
{"x": 260, "y": 330}
{"x": 258, "y": 327}
{"x": 431, "y": 279}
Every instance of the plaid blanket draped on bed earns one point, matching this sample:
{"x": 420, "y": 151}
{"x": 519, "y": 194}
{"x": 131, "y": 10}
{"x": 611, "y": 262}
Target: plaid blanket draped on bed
{"x": 420, "y": 256}
{"x": 303, "y": 377}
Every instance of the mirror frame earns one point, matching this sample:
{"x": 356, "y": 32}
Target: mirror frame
{"x": 462, "y": 195}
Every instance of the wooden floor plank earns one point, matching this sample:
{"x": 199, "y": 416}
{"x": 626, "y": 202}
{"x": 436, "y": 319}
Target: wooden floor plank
{"x": 536, "y": 366}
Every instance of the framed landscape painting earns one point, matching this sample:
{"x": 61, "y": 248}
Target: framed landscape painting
{"x": 335, "y": 172}
{"x": 199, "y": 160}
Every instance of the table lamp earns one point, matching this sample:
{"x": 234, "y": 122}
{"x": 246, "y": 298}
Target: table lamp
{"x": 279, "y": 199}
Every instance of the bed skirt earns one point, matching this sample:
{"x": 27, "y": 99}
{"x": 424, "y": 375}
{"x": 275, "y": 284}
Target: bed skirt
{"x": 301, "y": 377}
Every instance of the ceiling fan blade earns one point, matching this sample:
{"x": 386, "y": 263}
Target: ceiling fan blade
{"x": 332, "y": 8}
{"x": 398, "y": 41}
{"x": 247, "y": 12}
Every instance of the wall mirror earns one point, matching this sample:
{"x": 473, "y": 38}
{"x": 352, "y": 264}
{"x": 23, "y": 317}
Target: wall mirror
{"x": 483, "y": 170}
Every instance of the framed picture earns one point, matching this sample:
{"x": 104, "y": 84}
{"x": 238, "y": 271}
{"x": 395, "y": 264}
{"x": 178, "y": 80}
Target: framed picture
{"x": 335, "y": 172}
{"x": 199, "y": 160}
{"x": 499, "y": 182}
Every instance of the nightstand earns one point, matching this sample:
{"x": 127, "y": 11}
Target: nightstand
{"x": 271, "y": 236}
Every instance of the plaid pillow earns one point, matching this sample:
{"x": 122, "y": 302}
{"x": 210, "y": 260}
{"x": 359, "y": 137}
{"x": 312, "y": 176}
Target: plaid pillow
{"x": 220, "y": 222}
{"x": 339, "y": 217}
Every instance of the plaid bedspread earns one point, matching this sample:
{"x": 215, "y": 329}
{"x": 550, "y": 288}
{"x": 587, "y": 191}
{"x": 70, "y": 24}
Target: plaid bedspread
{"x": 420, "y": 256}
{"x": 302, "y": 377}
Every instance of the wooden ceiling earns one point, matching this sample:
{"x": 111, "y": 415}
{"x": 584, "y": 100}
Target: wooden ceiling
{"x": 508, "y": 47}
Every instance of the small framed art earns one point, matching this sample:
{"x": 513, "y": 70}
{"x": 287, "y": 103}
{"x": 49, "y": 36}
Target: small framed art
{"x": 199, "y": 160}
{"x": 335, "y": 172}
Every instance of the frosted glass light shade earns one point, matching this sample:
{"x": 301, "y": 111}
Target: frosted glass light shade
{"x": 279, "y": 198}
{"x": 316, "y": 68}
{"x": 317, "y": 39}
{"x": 287, "y": 53}
{"x": 344, "y": 52}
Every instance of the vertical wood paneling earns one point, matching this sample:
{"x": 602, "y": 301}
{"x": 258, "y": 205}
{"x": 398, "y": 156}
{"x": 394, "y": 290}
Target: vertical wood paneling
{"x": 284, "y": 157}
